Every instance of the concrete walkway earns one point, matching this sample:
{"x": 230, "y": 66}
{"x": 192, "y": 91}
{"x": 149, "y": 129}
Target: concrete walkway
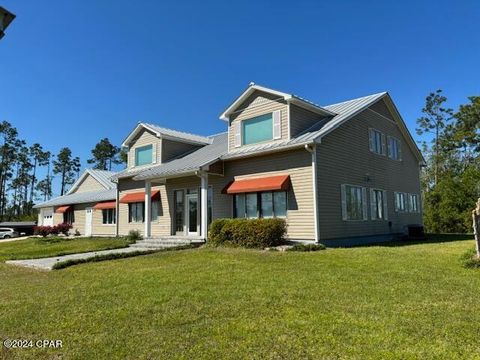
{"x": 47, "y": 263}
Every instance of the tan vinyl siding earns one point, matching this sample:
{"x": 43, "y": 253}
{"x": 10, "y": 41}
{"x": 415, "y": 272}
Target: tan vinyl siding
{"x": 89, "y": 184}
{"x": 295, "y": 163}
{"x": 301, "y": 119}
{"x": 344, "y": 158}
{"x": 174, "y": 149}
{"x": 144, "y": 138}
{"x": 100, "y": 229}
{"x": 257, "y": 104}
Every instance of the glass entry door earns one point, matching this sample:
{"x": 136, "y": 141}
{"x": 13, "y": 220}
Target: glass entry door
{"x": 192, "y": 214}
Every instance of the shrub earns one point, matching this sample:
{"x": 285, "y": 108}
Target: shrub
{"x": 134, "y": 235}
{"x": 249, "y": 233}
{"x": 64, "y": 228}
{"x": 42, "y": 230}
{"x": 54, "y": 230}
{"x": 307, "y": 247}
{"x": 470, "y": 259}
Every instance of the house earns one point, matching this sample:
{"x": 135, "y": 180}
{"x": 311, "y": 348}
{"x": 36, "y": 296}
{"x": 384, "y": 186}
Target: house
{"x": 339, "y": 174}
{"x": 89, "y": 205}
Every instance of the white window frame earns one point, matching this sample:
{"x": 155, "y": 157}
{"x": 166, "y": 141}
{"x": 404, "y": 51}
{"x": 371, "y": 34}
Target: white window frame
{"x": 374, "y": 205}
{"x": 113, "y": 218}
{"x": 398, "y": 155}
{"x": 364, "y": 204}
{"x": 410, "y": 203}
{"x": 374, "y": 136}
{"x": 398, "y": 195}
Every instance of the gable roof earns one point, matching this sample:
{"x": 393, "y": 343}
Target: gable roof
{"x": 80, "y": 198}
{"x": 102, "y": 176}
{"x": 166, "y": 133}
{"x": 291, "y": 98}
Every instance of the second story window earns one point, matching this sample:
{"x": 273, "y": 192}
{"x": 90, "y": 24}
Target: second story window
{"x": 257, "y": 130}
{"x": 144, "y": 155}
{"x": 394, "y": 149}
{"x": 377, "y": 142}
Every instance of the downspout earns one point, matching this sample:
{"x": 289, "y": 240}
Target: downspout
{"x": 117, "y": 210}
{"x": 312, "y": 149}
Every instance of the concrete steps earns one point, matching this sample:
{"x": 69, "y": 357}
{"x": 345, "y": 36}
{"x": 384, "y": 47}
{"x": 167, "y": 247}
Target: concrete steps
{"x": 165, "y": 242}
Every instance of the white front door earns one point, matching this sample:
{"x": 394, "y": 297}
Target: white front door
{"x": 47, "y": 217}
{"x": 88, "y": 221}
{"x": 192, "y": 214}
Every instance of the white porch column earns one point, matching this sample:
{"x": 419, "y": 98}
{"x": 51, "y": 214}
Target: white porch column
{"x": 117, "y": 211}
{"x": 148, "y": 209}
{"x": 204, "y": 205}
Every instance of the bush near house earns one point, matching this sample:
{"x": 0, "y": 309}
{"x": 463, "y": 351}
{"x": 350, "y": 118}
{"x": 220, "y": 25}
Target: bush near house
{"x": 249, "y": 233}
{"x": 44, "y": 231}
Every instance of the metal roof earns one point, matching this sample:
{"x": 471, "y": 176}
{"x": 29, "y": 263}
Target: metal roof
{"x": 104, "y": 177}
{"x": 80, "y": 198}
{"x": 189, "y": 163}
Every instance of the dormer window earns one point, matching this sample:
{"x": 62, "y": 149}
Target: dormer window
{"x": 144, "y": 155}
{"x": 257, "y": 129}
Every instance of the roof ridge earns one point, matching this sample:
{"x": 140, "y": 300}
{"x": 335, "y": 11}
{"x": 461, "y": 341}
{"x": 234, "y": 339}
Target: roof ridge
{"x": 359, "y": 98}
{"x": 178, "y": 131}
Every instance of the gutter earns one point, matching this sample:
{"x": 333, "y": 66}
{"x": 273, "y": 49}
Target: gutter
{"x": 312, "y": 149}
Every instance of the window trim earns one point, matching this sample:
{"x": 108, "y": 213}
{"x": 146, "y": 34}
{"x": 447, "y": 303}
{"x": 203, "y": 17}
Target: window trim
{"x": 113, "y": 219}
{"x": 259, "y": 205}
{"x": 405, "y": 202}
{"x": 242, "y": 130}
{"x": 383, "y": 144}
{"x": 410, "y": 208}
{"x": 384, "y": 205}
{"x": 343, "y": 194}
{"x": 136, "y": 149}
{"x": 399, "y": 148}
{"x": 130, "y": 220}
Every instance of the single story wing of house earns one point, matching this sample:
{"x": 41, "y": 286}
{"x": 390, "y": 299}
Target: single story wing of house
{"x": 339, "y": 174}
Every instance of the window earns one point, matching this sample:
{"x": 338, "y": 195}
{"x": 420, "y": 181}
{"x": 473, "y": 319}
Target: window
{"x": 108, "y": 216}
{"x": 209, "y": 205}
{"x": 378, "y": 202}
{"x": 69, "y": 217}
{"x": 413, "y": 203}
{"x": 377, "y": 142}
{"x": 354, "y": 203}
{"x": 394, "y": 149}
{"x": 135, "y": 212}
{"x": 257, "y": 129}
{"x": 265, "y": 204}
{"x": 155, "y": 210}
{"x": 179, "y": 210}
{"x": 144, "y": 155}
{"x": 400, "y": 202}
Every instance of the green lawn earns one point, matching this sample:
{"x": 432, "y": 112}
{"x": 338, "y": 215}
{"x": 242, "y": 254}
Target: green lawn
{"x": 45, "y": 247}
{"x": 378, "y": 302}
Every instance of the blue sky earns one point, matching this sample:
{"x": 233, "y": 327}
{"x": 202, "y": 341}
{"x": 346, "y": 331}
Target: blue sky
{"x": 73, "y": 72}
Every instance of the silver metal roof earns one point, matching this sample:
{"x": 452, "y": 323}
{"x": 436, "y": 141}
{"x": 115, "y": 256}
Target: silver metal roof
{"x": 178, "y": 134}
{"x": 80, "y": 198}
{"x": 218, "y": 149}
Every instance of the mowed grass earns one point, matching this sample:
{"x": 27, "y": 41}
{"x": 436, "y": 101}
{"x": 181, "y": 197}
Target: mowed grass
{"x": 35, "y": 247}
{"x": 380, "y": 302}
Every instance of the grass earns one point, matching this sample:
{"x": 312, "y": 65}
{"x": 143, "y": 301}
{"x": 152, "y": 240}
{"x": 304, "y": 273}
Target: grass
{"x": 55, "y": 246}
{"x": 377, "y": 302}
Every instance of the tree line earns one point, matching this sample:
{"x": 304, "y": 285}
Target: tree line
{"x": 20, "y": 185}
{"x": 451, "y": 177}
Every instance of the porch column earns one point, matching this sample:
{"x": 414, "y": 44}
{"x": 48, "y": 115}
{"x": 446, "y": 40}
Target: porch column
{"x": 204, "y": 205}
{"x": 148, "y": 209}
{"x": 117, "y": 211}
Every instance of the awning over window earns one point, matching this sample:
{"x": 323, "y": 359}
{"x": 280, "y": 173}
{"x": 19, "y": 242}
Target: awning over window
{"x": 137, "y": 197}
{"x": 63, "y": 209}
{"x": 105, "y": 205}
{"x": 270, "y": 183}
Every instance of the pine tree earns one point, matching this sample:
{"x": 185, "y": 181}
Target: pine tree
{"x": 67, "y": 166}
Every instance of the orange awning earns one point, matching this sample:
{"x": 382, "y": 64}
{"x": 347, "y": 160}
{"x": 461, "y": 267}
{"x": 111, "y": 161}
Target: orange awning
{"x": 137, "y": 197}
{"x": 270, "y": 183}
{"x": 63, "y": 209}
{"x": 105, "y": 205}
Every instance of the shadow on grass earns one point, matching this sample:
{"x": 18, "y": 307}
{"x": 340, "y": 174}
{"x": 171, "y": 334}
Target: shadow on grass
{"x": 430, "y": 239}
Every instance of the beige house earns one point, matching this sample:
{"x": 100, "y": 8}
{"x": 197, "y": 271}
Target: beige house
{"x": 339, "y": 174}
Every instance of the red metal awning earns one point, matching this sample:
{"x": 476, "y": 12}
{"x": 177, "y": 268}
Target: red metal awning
{"x": 63, "y": 209}
{"x": 105, "y": 205}
{"x": 137, "y": 197}
{"x": 270, "y": 183}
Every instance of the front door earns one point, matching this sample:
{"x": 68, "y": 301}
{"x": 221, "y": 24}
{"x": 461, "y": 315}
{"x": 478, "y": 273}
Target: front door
{"x": 192, "y": 214}
{"x": 88, "y": 221}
